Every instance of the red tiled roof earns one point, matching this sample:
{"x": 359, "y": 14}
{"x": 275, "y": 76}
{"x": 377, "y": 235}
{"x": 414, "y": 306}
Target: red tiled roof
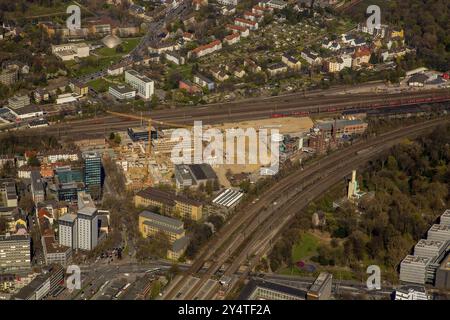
{"x": 245, "y": 21}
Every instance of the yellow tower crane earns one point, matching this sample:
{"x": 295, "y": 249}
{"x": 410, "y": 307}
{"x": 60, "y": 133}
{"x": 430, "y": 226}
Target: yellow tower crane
{"x": 150, "y": 122}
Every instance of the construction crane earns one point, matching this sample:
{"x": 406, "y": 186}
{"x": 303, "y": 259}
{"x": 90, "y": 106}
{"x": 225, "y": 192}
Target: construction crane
{"x": 150, "y": 122}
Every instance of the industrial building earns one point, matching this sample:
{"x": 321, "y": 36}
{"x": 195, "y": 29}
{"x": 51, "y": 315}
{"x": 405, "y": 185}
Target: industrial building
{"x": 189, "y": 175}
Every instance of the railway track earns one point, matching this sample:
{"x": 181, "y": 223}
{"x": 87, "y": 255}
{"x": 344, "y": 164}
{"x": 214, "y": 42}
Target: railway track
{"x": 240, "y": 228}
{"x": 235, "y": 112}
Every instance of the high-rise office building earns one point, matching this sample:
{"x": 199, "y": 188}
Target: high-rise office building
{"x": 14, "y": 252}
{"x": 87, "y": 228}
{"x": 93, "y": 174}
{"x": 68, "y": 233}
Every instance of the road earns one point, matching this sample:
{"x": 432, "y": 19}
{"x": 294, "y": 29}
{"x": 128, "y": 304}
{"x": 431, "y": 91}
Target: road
{"x": 255, "y": 226}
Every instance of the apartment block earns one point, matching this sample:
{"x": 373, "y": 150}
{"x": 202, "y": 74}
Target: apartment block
{"x": 151, "y": 223}
{"x": 169, "y": 203}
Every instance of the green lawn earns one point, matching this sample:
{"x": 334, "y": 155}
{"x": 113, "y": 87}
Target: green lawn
{"x": 128, "y": 44}
{"x": 99, "y": 85}
{"x": 306, "y": 247}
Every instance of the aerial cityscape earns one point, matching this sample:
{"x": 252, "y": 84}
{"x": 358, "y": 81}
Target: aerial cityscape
{"x": 226, "y": 150}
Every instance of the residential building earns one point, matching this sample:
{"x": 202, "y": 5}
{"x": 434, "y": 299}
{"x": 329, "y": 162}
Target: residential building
{"x": 205, "y": 49}
{"x": 163, "y": 47}
{"x": 93, "y": 173}
{"x": 243, "y": 31}
{"x": 203, "y": 82}
{"x": 291, "y": 62}
{"x": 219, "y": 74}
{"x": 15, "y": 251}
{"x": 311, "y": 57}
{"x": 19, "y": 101}
{"x": 252, "y": 16}
{"x": 68, "y": 233}
{"x": 275, "y": 4}
{"x": 439, "y": 232}
{"x": 150, "y": 224}
{"x": 79, "y": 88}
{"x": 169, "y": 203}
{"x": 55, "y": 252}
{"x": 71, "y": 51}
{"x": 411, "y": 292}
{"x": 321, "y": 288}
{"x": 9, "y": 77}
{"x": 178, "y": 248}
{"x": 8, "y": 194}
{"x": 252, "y": 25}
{"x": 429, "y": 248}
{"x": 276, "y": 68}
{"x": 87, "y": 228}
{"x": 145, "y": 86}
{"x": 266, "y": 290}
{"x": 194, "y": 175}
{"x": 175, "y": 58}
{"x": 190, "y": 87}
{"x": 122, "y": 92}
{"x": 361, "y": 57}
{"x": 37, "y": 187}
{"x": 232, "y": 38}
{"x": 413, "y": 269}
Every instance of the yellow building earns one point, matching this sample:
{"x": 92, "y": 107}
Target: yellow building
{"x": 151, "y": 223}
{"x": 169, "y": 203}
{"x": 178, "y": 249}
{"x": 398, "y": 33}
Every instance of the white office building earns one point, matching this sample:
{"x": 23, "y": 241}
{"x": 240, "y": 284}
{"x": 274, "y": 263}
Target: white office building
{"x": 445, "y": 218}
{"x": 411, "y": 293}
{"x": 68, "y": 234}
{"x": 439, "y": 232}
{"x": 429, "y": 248}
{"x": 87, "y": 228}
{"x": 144, "y": 86}
{"x": 413, "y": 269}
{"x": 122, "y": 92}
